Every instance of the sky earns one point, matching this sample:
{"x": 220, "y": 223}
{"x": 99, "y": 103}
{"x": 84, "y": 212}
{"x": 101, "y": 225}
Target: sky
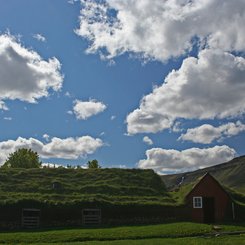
{"x": 153, "y": 84}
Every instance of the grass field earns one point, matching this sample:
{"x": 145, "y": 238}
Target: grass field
{"x": 151, "y": 234}
{"x": 223, "y": 240}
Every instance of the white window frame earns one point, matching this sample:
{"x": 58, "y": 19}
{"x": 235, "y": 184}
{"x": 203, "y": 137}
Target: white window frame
{"x": 197, "y": 202}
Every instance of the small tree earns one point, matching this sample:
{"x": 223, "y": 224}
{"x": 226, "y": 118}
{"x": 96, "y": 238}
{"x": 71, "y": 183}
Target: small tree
{"x": 93, "y": 164}
{"x": 23, "y": 158}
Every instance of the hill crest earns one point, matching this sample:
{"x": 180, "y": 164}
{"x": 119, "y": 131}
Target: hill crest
{"x": 230, "y": 174}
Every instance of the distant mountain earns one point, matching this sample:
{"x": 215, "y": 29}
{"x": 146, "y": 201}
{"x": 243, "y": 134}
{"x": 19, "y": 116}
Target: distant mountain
{"x": 230, "y": 174}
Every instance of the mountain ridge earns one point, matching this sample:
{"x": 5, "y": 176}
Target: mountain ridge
{"x": 230, "y": 174}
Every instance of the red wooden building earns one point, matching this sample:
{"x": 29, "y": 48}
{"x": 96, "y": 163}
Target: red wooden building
{"x": 208, "y": 201}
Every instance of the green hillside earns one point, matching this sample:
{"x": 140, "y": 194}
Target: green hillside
{"x": 60, "y": 185}
{"x": 231, "y": 175}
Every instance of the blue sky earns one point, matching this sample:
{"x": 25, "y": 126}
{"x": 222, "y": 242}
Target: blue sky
{"x": 149, "y": 84}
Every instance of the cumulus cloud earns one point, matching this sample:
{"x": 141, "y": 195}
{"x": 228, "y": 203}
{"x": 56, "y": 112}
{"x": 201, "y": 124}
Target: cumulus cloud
{"x": 24, "y": 75}
{"x": 68, "y": 148}
{"x": 161, "y": 29}
{"x": 207, "y": 87}
{"x": 85, "y": 109}
{"x": 207, "y": 133}
{"x": 147, "y": 140}
{"x": 163, "y": 160}
{"x": 39, "y": 37}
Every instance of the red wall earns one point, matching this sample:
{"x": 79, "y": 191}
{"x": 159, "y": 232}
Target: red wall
{"x": 208, "y": 187}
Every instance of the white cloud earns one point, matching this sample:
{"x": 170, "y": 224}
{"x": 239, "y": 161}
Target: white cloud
{"x": 85, "y": 109}
{"x": 67, "y": 94}
{"x": 210, "y": 86}
{"x": 8, "y": 118}
{"x": 161, "y": 29}
{"x": 72, "y": 1}
{"x": 51, "y": 165}
{"x": 46, "y": 137}
{"x": 118, "y": 166}
{"x": 147, "y": 140}
{"x": 177, "y": 127}
{"x": 68, "y": 148}
{"x": 207, "y": 133}
{"x": 3, "y": 106}
{"x": 162, "y": 160}
{"x": 39, "y": 37}
{"x": 102, "y": 133}
{"x": 24, "y": 75}
{"x": 113, "y": 118}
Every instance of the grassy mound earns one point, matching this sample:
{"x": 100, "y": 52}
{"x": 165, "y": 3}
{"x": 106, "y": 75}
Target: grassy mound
{"x": 69, "y": 185}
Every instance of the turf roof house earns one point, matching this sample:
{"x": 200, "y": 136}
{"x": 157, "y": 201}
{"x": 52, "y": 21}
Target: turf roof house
{"x": 209, "y": 202}
{"x": 69, "y": 197}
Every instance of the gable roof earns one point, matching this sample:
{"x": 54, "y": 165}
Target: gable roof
{"x": 203, "y": 179}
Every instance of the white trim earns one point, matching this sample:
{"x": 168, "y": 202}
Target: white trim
{"x": 197, "y": 202}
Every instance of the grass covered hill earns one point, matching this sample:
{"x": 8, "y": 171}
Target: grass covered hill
{"x": 62, "y": 185}
{"x": 231, "y": 175}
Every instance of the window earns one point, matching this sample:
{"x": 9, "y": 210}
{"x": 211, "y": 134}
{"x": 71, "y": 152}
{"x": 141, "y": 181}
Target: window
{"x": 197, "y": 202}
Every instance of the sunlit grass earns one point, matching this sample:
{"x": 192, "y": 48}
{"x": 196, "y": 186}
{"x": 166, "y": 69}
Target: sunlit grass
{"x": 173, "y": 230}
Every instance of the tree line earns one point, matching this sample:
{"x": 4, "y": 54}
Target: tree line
{"x": 27, "y": 158}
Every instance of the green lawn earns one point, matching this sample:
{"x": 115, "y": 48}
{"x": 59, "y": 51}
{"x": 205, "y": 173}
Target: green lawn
{"x": 223, "y": 240}
{"x": 140, "y": 234}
